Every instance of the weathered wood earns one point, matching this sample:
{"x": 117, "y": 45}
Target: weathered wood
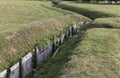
{"x": 60, "y": 41}
{"x": 66, "y": 34}
{"x": 55, "y": 53}
{"x": 80, "y": 23}
{"x": 47, "y": 51}
{"x": 27, "y": 64}
{"x": 3, "y": 74}
{"x": 14, "y": 71}
{"x": 72, "y": 31}
{"x": 44, "y": 53}
{"x": 20, "y": 69}
{"x": 34, "y": 57}
{"x": 40, "y": 56}
{"x": 54, "y": 43}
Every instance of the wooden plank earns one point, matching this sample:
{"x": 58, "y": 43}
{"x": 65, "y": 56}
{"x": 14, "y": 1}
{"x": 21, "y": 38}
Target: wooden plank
{"x": 3, "y": 74}
{"x": 27, "y": 64}
{"x": 14, "y": 71}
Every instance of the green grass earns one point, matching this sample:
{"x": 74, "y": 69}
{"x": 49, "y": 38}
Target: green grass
{"x": 92, "y": 10}
{"x": 106, "y": 22}
{"x": 111, "y": 13}
{"x": 96, "y": 56}
{"x": 24, "y": 24}
{"x": 16, "y": 14}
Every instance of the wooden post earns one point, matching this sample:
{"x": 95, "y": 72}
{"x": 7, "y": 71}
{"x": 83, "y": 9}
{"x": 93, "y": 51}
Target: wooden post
{"x": 66, "y": 33}
{"x": 77, "y": 25}
{"x": 8, "y": 73}
{"x": 20, "y": 69}
{"x": 34, "y": 61}
{"x": 34, "y": 56}
{"x": 54, "y": 47}
{"x": 69, "y": 31}
{"x": 57, "y": 45}
{"x": 63, "y": 36}
{"x": 60, "y": 42}
{"x": 75, "y": 28}
{"x": 72, "y": 31}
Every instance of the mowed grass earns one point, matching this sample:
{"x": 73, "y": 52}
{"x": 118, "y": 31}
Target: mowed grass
{"x": 21, "y": 27}
{"x": 109, "y": 22}
{"x": 96, "y": 56}
{"x": 104, "y": 15}
{"x": 24, "y": 24}
{"x": 16, "y": 14}
{"x": 92, "y": 10}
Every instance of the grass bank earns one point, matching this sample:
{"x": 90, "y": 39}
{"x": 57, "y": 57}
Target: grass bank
{"x": 96, "y": 56}
{"x": 15, "y": 44}
{"x": 110, "y": 22}
{"x": 92, "y": 10}
{"x": 17, "y": 14}
{"x": 22, "y": 25}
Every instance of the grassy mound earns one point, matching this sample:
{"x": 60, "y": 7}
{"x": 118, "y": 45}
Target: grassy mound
{"x": 96, "y": 56}
{"x": 22, "y": 25}
{"x": 15, "y": 44}
{"x": 106, "y": 23}
{"x": 17, "y": 14}
{"x": 92, "y": 10}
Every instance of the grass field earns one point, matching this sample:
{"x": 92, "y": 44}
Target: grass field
{"x": 23, "y": 24}
{"x": 16, "y": 14}
{"x": 96, "y": 56}
{"x": 109, "y": 22}
{"x": 92, "y": 10}
{"x": 111, "y": 13}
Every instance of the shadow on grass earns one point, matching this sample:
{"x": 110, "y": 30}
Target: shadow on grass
{"x": 88, "y": 13}
{"x": 93, "y": 25}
